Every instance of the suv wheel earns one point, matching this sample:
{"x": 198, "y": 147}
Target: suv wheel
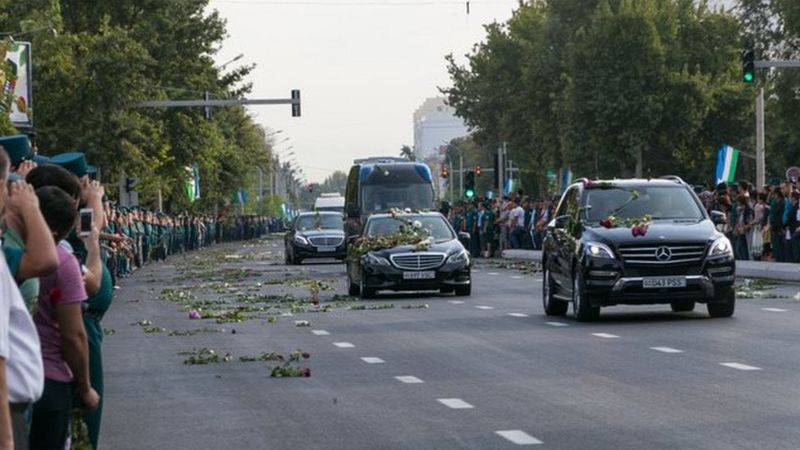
{"x": 365, "y": 291}
{"x": 582, "y": 310}
{"x": 683, "y": 306}
{"x": 552, "y": 305}
{"x": 352, "y": 288}
{"x": 724, "y": 302}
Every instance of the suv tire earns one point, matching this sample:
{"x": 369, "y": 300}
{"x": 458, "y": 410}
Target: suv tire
{"x": 352, "y": 288}
{"x": 683, "y": 306}
{"x": 552, "y": 305}
{"x": 724, "y": 302}
{"x": 365, "y": 291}
{"x": 582, "y": 309}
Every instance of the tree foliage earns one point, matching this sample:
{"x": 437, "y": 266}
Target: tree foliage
{"x": 607, "y": 87}
{"x": 109, "y": 55}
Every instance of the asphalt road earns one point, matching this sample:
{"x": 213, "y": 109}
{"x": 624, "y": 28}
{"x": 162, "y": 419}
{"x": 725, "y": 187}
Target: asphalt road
{"x": 483, "y": 372}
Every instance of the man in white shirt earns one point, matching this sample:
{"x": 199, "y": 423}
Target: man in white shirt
{"x": 516, "y": 224}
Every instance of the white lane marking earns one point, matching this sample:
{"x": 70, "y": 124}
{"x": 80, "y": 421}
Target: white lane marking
{"x": 476, "y": 271}
{"x": 408, "y": 379}
{"x": 557, "y": 324}
{"x": 320, "y": 332}
{"x": 666, "y": 349}
{"x": 519, "y": 437}
{"x": 605, "y": 335}
{"x": 492, "y": 273}
{"x": 774, "y": 309}
{"x": 484, "y": 307}
{"x": 455, "y": 403}
{"x": 456, "y": 302}
{"x": 739, "y": 366}
{"x": 372, "y": 360}
{"x": 343, "y": 344}
{"x": 517, "y": 315}
{"x": 517, "y": 277}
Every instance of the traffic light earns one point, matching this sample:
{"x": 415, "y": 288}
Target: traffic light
{"x": 469, "y": 184}
{"x": 310, "y": 187}
{"x": 445, "y": 171}
{"x": 130, "y": 183}
{"x": 748, "y": 66}
{"x": 296, "y": 103}
{"x": 477, "y": 171}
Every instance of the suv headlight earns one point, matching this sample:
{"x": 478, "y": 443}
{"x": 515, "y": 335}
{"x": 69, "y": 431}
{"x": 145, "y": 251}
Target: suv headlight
{"x": 721, "y": 247}
{"x": 375, "y": 260}
{"x": 459, "y": 257}
{"x": 598, "y": 250}
{"x": 300, "y": 239}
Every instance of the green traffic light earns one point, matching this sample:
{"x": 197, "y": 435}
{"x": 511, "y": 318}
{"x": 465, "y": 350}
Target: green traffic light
{"x": 748, "y": 77}
{"x": 469, "y": 193}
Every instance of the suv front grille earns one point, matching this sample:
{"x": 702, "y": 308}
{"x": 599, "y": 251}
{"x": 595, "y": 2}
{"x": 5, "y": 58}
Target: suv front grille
{"x": 417, "y": 261}
{"x": 652, "y": 254}
{"x": 326, "y": 241}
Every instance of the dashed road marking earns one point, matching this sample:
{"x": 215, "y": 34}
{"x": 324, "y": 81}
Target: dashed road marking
{"x": 408, "y": 379}
{"x": 492, "y": 273}
{"x": 666, "y": 349}
{"x": 739, "y": 366}
{"x": 456, "y": 302}
{"x": 518, "y": 315}
{"x": 517, "y": 277}
{"x": 774, "y": 309}
{"x": 320, "y": 332}
{"x": 455, "y": 403}
{"x": 484, "y": 307}
{"x": 557, "y": 324}
{"x": 343, "y": 344}
{"x": 372, "y": 360}
{"x": 519, "y": 437}
{"x": 605, "y": 335}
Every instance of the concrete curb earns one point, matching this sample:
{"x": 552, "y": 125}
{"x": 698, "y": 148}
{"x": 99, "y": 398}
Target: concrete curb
{"x": 744, "y": 269}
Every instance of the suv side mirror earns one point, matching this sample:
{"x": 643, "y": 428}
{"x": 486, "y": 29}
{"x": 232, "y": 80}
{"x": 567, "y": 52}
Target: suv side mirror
{"x": 353, "y": 212}
{"x": 719, "y": 218}
{"x": 352, "y": 238}
{"x": 464, "y": 236}
{"x": 559, "y": 222}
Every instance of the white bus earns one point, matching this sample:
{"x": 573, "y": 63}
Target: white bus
{"x": 330, "y": 201}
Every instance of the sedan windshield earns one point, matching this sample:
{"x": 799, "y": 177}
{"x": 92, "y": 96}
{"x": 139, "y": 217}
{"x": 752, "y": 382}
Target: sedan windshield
{"x": 319, "y": 222}
{"x": 435, "y": 226}
{"x": 663, "y": 202}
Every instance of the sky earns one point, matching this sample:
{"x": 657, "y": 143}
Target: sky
{"x": 362, "y": 66}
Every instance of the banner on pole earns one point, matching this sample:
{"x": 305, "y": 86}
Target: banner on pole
{"x": 15, "y": 79}
{"x": 727, "y": 158}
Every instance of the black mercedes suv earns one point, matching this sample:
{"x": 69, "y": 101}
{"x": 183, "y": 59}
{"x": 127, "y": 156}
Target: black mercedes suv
{"x": 635, "y": 242}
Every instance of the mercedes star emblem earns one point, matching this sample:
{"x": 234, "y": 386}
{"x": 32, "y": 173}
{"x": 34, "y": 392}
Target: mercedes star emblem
{"x": 663, "y": 254}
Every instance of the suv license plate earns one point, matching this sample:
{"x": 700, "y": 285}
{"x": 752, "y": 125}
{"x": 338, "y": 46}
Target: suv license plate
{"x": 326, "y": 249}
{"x": 664, "y": 282}
{"x": 429, "y": 275}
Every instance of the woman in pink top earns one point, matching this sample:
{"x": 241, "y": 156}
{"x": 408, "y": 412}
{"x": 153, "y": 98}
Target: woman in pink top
{"x": 59, "y": 321}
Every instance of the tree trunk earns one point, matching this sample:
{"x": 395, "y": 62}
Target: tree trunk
{"x": 638, "y": 170}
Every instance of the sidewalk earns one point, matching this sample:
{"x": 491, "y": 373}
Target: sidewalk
{"x": 747, "y": 269}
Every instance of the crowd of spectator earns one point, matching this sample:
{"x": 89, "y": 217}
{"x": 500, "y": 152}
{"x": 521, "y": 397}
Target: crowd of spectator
{"x": 64, "y": 246}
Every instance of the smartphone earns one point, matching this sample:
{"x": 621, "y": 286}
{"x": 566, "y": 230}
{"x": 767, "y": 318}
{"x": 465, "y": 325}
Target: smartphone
{"x": 86, "y": 222}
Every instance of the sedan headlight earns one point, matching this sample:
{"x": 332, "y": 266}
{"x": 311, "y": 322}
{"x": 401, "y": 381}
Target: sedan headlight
{"x": 300, "y": 239}
{"x": 375, "y": 260}
{"x": 459, "y": 257}
{"x": 721, "y": 247}
{"x": 598, "y": 250}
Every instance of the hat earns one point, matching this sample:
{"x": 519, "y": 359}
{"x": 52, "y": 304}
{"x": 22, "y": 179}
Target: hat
{"x": 75, "y": 162}
{"x": 40, "y": 159}
{"x": 18, "y": 148}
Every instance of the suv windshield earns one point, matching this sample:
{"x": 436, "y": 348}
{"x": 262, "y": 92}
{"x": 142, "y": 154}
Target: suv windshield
{"x": 435, "y": 226}
{"x": 662, "y": 202}
{"x": 381, "y": 197}
{"x": 319, "y": 222}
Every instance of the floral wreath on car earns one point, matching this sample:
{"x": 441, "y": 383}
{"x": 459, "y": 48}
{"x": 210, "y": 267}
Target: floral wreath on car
{"x": 411, "y": 233}
{"x": 638, "y": 225}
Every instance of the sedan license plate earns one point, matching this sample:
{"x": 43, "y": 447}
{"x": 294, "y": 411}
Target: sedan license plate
{"x": 664, "y": 282}
{"x": 428, "y": 275}
{"x": 326, "y": 249}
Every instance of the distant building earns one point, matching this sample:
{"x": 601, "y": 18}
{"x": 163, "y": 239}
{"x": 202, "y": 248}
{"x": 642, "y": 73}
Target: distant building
{"x": 436, "y": 124}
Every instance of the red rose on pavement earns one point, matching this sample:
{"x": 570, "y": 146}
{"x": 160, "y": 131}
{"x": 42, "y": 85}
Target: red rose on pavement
{"x": 306, "y": 372}
{"x": 306, "y": 355}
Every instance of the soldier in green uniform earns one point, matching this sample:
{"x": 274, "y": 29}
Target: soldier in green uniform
{"x": 487, "y": 229}
{"x": 471, "y": 227}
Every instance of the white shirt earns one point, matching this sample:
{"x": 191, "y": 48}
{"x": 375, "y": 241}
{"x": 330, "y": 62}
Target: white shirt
{"x": 519, "y": 214}
{"x": 19, "y": 343}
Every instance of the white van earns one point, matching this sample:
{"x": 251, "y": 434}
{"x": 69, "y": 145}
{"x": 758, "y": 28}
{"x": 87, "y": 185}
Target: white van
{"x": 331, "y": 201}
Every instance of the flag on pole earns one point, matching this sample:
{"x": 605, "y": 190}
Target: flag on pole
{"x": 727, "y": 157}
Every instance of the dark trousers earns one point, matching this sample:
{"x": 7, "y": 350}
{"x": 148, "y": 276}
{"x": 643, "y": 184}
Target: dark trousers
{"x": 778, "y": 245}
{"x": 19, "y": 424}
{"x": 51, "y": 415}
{"x": 740, "y": 249}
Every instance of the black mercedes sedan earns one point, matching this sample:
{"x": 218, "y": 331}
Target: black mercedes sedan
{"x": 636, "y": 242}
{"x": 443, "y": 264}
{"x": 315, "y": 235}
